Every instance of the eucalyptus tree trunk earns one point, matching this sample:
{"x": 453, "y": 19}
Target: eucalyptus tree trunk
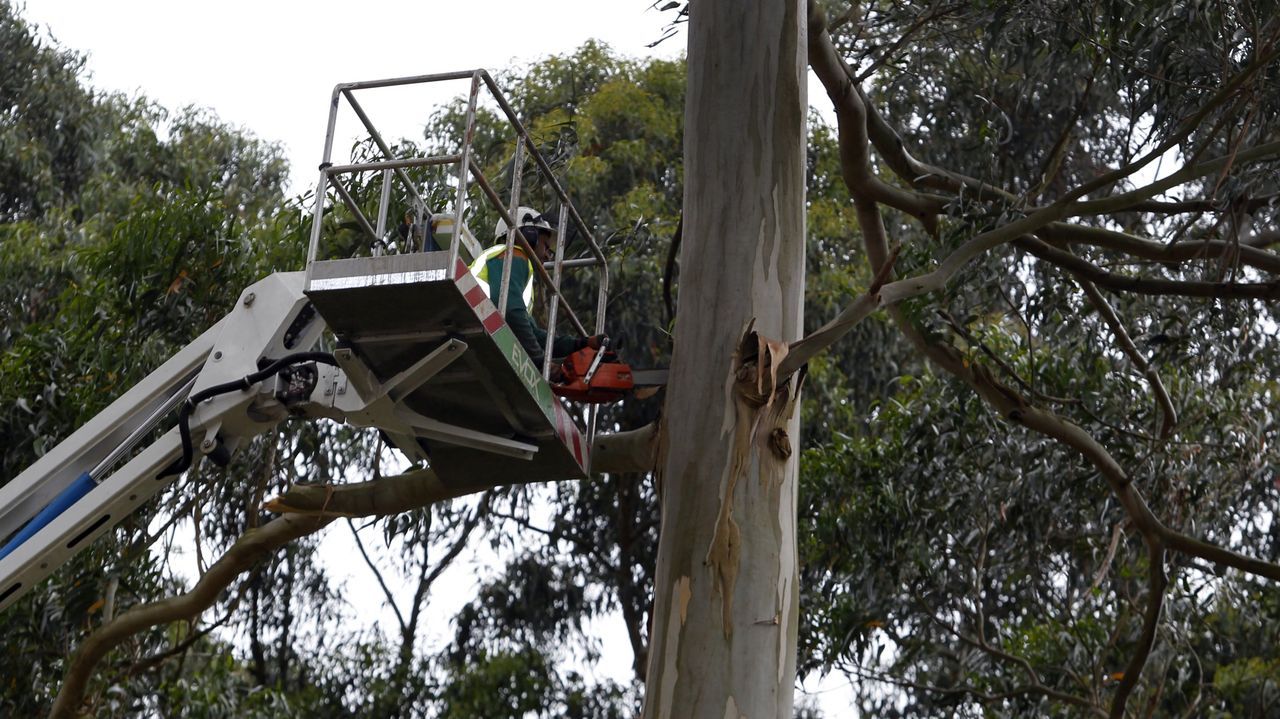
{"x": 723, "y": 640}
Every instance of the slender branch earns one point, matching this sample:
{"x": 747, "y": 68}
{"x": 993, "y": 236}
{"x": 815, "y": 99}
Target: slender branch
{"x": 1184, "y": 129}
{"x": 1156, "y": 583}
{"x": 377, "y": 574}
{"x": 458, "y": 545}
{"x": 1053, "y": 164}
{"x": 252, "y": 547}
{"x": 1179, "y": 207}
{"x": 1000, "y": 362}
{"x": 1062, "y": 232}
{"x": 1143, "y": 285}
{"x": 920, "y": 22}
{"x": 1127, "y": 200}
{"x": 181, "y": 647}
{"x": 989, "y": 697}
{"x": 1109, "y": 316}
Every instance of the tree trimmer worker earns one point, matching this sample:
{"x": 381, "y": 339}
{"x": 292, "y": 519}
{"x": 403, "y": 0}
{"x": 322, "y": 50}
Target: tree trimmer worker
{"x": 488, "y": 267}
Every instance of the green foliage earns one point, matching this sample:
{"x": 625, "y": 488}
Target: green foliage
{"x": 122, "y": 242}
{"x": 941, "y": 527}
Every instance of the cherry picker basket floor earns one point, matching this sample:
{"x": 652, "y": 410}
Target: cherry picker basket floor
{"x": 395, "y": 309}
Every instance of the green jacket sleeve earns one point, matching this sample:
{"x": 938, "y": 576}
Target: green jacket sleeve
{"x": 531, "y": 337}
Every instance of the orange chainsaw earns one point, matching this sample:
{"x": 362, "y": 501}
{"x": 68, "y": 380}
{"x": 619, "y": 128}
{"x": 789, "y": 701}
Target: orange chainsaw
{"x": 600, "y": 377}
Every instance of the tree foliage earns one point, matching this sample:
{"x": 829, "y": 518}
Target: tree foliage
{"x": 1001, "y": 563}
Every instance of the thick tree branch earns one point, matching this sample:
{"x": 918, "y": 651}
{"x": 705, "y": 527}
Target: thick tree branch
{"x": 1014, "y": 407}
{"x": 1002, "y": 398}
{"x": 860, "y": 111}
{"x": 305, "y": 510}
{"x": 1264, "y": 238}
{"x": 851, "y": 116}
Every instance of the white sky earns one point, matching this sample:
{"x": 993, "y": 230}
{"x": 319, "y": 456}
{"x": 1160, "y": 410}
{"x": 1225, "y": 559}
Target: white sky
{"x": 269, "y": 67}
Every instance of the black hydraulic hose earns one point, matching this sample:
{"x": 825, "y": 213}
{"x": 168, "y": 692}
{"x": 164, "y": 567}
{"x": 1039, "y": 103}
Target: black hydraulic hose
{"x": 184, "y": 412}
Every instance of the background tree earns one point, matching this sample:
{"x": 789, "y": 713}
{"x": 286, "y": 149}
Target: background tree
{"x": 1090, "y": 188}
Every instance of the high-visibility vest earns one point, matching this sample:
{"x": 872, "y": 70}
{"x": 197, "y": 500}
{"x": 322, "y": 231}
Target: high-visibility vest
{"x": 480, "y": 268}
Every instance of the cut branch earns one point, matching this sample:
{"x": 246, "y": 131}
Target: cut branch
{"x": 632, "y": 451}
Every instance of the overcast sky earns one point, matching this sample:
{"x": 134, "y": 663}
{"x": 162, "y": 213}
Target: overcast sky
{"x": 270, "y": 65}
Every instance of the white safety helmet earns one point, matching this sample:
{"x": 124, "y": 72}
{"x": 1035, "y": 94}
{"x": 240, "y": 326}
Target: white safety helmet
{"x": 525, "y": 217}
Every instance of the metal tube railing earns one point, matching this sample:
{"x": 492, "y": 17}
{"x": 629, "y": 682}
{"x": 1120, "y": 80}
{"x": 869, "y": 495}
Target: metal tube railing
{"x": 460, "y": 203}
{"x": 383, "y": 200}
{"x": 317, "y": 212}
{"x": 545, "y": 169}
{"x": 537, "y": 266}
{"x": 517, "y": 165}
{"x": 467, "y": 170}
{"x": 382, "y": 144}
{"x": 575, "y": 262}
{"x": 411, "y": 80}
{"x": 554, "y": 300}
{"x": 392, "y": 164}
{"x": 549, "y": 176}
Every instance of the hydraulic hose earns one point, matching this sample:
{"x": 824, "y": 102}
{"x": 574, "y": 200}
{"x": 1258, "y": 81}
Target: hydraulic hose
{"x": 184, "y": 412}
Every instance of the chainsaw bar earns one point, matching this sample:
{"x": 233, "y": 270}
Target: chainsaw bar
{"x": 649, "y": 377}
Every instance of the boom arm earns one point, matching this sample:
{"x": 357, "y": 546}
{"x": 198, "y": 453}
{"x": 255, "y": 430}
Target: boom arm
{"x": 80, "y": 489}
{"x": 239, "y": 379}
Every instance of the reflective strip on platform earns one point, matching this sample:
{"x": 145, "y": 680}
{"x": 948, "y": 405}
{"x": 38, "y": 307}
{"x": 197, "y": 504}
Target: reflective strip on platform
{"x": 566, "y": 429}
{"x": 386, "y": 278}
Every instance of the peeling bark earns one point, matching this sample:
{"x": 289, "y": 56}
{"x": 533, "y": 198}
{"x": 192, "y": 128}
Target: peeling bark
{"x": 724, "y": 633}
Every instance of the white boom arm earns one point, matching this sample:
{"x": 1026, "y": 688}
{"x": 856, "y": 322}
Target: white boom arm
{"x": 238, "y": 379}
